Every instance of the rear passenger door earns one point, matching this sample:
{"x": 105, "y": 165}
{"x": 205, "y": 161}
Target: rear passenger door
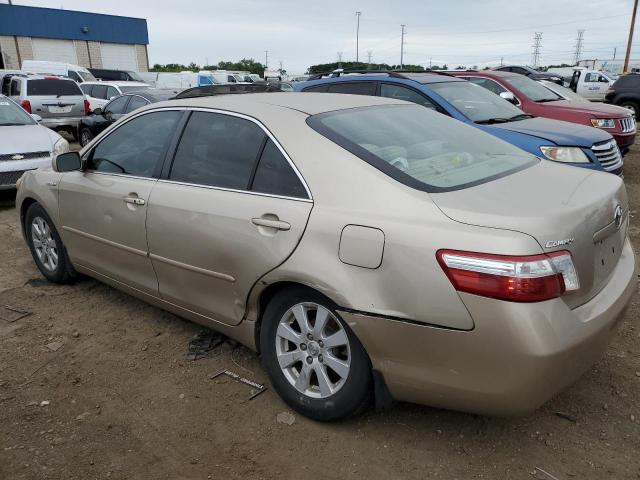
{"x": 228, "y": 208}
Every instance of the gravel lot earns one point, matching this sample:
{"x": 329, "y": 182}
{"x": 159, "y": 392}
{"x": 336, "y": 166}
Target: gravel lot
{"x": 96, "y": 384}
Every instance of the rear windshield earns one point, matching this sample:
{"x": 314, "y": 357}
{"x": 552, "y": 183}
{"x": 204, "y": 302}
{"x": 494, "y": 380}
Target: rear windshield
{"x": 86, "y": 76}
{"x": 532, "y": 89}
{"x": 135, "y": 88}
{"x": 421, "y": 148}
{"x": 12, "y": 114}
{"x": 52, "y": 87}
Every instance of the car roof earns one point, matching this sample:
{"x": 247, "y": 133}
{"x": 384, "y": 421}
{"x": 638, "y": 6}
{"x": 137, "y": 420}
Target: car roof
{"x": 155, "y": 94}
{"x": 307, "y": 103}
{"x": 117, "y": 83}
{"x": 420, "y": 77}
{"x": 488, "y": 73}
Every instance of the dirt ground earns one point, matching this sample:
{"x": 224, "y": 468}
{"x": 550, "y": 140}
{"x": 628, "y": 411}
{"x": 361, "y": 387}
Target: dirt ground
{"x": 95, "y": 384}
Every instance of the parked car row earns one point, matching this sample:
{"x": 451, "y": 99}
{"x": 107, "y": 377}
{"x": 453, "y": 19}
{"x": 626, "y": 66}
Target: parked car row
{"x": 406, "y": 243}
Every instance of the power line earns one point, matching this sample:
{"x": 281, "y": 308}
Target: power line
{"x": 578, "y": 53}
{"x": 537, "y": 46}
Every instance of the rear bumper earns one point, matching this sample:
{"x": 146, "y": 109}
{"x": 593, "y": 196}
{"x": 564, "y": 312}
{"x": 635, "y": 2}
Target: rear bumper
{"x": 61, "y": 122}
{"x": 517, "y": 357}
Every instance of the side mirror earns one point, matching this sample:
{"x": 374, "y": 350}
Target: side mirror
{"x": 97, "y": 111}
{"x": 67, "y": 162}
{"x": 36, "y": 117}
{"x": 509, "y": 97}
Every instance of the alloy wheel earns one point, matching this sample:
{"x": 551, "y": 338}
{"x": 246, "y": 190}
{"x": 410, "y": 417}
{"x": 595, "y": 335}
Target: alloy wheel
{"x": 44, "y": 244}
{"x": 312, "y": 349}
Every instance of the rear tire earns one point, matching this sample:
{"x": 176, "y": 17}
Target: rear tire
{"x": 319, "y": 369}
{"x": 85, "y": 136}
{"x": 46, "y": 246}
{"x": 631, "y": 105}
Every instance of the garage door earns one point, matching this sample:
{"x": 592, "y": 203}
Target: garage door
{"x": 54, "y": 50}
{"x": 118, "y": 56}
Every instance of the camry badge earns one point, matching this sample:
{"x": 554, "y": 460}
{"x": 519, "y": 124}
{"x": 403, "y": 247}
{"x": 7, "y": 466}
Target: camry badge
{"x": 559, "y": 243}
{"x": 617, "y": 216}
{"x": 17, "y": 157}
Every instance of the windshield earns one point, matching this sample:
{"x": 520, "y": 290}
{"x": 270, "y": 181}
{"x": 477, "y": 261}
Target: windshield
{"x": 532, "y": 89}
{"x": 12, "y": 114}
{"x": 133, "y": 88}
{"x": 421, "y": 148}
{"x": 475, "y": 102}
{"x": 564, "y": 91}
{"x": 87, "y": 76}
{"x": 134, "y": 76}
{"x": 55, "y": 87}
{"x": 238, "y": 78}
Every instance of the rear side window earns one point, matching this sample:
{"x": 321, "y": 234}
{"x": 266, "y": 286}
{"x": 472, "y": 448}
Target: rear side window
{"x": 317, "y": 88}
{"x": 15, "y": 86}
{"x": 99, "y": 91}
{"x": 86, "y": 89}
{"x": 135, "y": 103}
{"x": 490, "y": 85}
{"x": 422, "y": 149}
{"x": 275, "y": 175}
{"x": 217, "y": 150}
{"x": 354, "y": 88}
{"x": 63, "y": 88}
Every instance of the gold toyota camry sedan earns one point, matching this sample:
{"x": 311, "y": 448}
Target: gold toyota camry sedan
{"x": 369, "y": 249}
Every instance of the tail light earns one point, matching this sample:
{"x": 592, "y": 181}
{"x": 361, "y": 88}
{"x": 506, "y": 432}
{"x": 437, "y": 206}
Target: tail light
{"x": 87, "y": 107}
{"x": 610, "y": 90}
{"x": 26, "y": 104}
{"x": 531, "y": 278}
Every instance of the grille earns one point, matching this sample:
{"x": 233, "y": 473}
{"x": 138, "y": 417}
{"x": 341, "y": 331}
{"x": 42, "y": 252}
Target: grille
{"x": 608, "y": 155}
{"x": 628, "y": 124}
{"x": 6, "y": 157}
{"x": 10, "y": 178}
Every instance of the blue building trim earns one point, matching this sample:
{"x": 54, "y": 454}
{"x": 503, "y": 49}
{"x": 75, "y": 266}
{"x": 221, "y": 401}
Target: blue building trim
{"x": 71, "y": 25}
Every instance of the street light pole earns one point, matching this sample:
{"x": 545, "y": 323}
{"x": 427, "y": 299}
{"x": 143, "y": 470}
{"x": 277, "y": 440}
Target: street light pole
{"x": 633, "y": 23}
{"x": 402, "y": 48}
{"x": 358, "y": 35}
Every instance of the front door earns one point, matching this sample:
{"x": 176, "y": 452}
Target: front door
{"x": 231, "y": 208}
{"x": 103, "y": 208}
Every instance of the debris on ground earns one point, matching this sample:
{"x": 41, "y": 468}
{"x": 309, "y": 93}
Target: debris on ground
{"x": 12, "y": 314}
{"x": 256, "y": 388}
{"x": 546, "y": 474}
{"x": 37, "y": 282}
{"x": 54, "y": 346}
{"x": 286, "y": 418}
{"x": 45, "y": 403}
{"x": 203, "y": 343}
{"x": 567, "y": 416}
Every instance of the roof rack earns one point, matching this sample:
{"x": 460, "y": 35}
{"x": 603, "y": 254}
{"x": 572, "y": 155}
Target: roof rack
{"x": 212, "y": 90}
{"x": 392, "y": 73}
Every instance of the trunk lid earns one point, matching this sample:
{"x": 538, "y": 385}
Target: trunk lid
{"x": 562, "y": 207}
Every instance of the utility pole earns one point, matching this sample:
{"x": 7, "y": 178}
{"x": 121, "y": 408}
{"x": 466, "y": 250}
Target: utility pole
{"x": 633, "y": 23}
{"x": 402, "y": 47}
{"x": 429, "y": 63}
{"x": 578, "y": 53}
{"x": 358, "y": 35}
{"x": 280, "y": 67}
{"x": 501, "y": 61}
{"x": 537, "y": 46}
{"x": 369, "y": 55}
{"x": 266, "y": 59}
{"x": 339, "y": 59}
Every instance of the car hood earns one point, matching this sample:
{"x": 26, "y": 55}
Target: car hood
{"x": 593, "y": 109}
{"x": 26, "y": 138}
{"x": 552, "y": 203}
{"x": 557, "y": 131}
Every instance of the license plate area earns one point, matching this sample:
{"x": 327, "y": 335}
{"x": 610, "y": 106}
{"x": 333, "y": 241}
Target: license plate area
{"x": 56, "y": 109}
{"x": 606, "y": 255}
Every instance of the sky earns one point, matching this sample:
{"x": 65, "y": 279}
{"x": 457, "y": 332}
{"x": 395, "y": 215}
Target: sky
{"x": 298, "y": 33}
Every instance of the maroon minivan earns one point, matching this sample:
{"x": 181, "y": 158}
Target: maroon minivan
{"x": 535, "y": 99}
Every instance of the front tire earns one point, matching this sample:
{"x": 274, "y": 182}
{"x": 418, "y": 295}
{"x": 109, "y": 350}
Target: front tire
{"x": 631, "y": 105}
{"x": 314, "y": 361}
{"x": 46, "y": 246}
{"x": 85, "y": 136}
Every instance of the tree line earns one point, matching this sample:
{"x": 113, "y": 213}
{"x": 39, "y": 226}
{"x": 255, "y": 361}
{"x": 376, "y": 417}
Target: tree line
{"x": 244, "y": 65}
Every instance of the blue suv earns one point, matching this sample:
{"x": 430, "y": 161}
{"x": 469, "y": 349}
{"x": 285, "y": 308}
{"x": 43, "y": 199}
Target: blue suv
{"x": 554, "y": 140}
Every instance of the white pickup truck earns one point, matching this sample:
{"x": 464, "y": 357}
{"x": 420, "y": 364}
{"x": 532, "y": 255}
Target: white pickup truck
{"x": 590, "y": 84}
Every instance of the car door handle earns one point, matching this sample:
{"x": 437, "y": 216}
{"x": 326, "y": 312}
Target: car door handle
{"x": 277, "y": 224}
{"x": 134, "y": 200}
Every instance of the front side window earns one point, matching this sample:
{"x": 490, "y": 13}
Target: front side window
{"x": 61, "y": 88}
{"x": 490, "y": 85}
{"x": 117, "y": 105}
{"x": 86, "y": 89}
{"x": 424, "y": 150}
{"x": 532, "y": 89}
{"x": 475, "y": 102}
{"x": 354, "y": 88}
{"x": 217, "y": 150}
{"x": 407, "y": 94}
{"x": 112, "y": 92}
{"x": 99, "y": 91}
{"x": 275, "y": 175}
{"x": 591, "y": 77}
{"x": 137, "y": 147}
